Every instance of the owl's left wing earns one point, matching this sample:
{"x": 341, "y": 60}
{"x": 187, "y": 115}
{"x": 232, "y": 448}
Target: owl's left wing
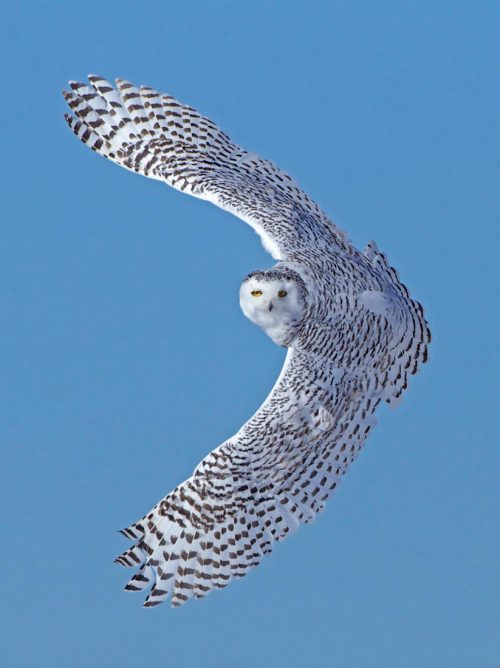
{"x": 257, "y": 487}
{"x": 161, "y": 138}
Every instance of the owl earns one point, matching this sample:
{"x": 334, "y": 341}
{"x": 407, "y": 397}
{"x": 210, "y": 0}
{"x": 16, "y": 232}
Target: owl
{"x": 352, "y": 334}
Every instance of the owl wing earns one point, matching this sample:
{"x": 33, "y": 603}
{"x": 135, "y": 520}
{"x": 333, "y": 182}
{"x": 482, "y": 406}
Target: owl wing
{"x": 256, "y": 488}
{"x": 283, "y": 464}
{"x": 157, "y": 136}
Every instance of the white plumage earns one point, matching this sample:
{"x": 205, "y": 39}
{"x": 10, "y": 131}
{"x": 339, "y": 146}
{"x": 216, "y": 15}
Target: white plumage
{"x": 352, "y": 332}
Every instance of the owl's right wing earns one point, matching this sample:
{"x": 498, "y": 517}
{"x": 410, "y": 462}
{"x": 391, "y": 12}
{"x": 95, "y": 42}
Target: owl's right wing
{"x": 157, "y": 136}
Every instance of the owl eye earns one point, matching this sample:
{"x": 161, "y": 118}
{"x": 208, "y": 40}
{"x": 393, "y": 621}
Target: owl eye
{"x": 256, "y": 293}
{"x": 282, "y": 293}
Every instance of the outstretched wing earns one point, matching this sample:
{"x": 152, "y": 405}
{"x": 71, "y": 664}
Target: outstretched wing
{"x": 256, "y": 488}
{"x": 157, "y": 136}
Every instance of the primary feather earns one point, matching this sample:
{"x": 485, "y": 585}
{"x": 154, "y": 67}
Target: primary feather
{"x": 355, "y": 342}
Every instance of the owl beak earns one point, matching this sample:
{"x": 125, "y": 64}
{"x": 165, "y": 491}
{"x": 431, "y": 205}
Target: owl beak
{"x": 270, "y": 306}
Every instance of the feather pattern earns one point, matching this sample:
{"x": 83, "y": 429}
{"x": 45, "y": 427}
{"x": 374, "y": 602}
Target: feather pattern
{"x": 359, "y": 339}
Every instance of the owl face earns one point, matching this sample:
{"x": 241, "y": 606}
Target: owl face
{"x": 275, "y": 302}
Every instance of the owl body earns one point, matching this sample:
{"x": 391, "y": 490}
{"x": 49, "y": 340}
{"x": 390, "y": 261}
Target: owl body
{"x": 288, "y": 304}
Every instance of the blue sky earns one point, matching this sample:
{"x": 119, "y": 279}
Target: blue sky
{"x": 126, "y": 357}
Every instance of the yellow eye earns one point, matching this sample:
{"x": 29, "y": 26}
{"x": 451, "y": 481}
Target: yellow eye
{"x": 282, "y": 293}
{"x": 256, "y": 293}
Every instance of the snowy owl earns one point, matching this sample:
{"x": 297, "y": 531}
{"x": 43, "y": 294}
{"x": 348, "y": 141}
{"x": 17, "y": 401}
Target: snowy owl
{"x": 352, "y": 332}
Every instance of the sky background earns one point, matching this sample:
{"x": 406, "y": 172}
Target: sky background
{"x": 125, "y": 357}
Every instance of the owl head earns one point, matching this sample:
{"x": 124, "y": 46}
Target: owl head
{"x": 275, "y": 300}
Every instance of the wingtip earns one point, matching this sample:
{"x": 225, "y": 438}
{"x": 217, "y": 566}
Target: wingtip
{"x": 131, "y": 587}
{"x": 123, "y": 83}
{"x": 150, "y": 604}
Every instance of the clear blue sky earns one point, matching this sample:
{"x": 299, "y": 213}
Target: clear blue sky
{"x": 125, "y": 357}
